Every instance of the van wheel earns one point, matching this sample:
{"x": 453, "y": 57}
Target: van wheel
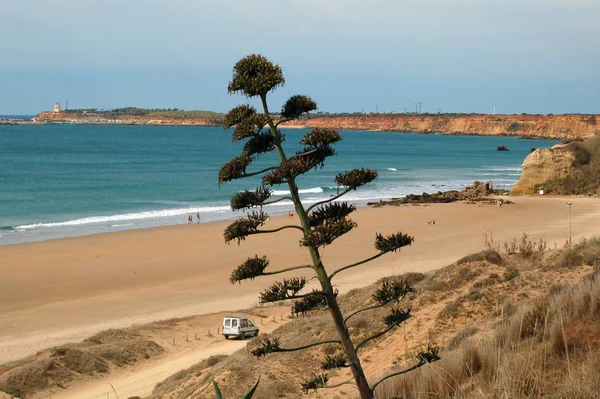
{"x": 256, "y": 333}
{"x": 226, "y": 336}
{"x": 243, "y": 336}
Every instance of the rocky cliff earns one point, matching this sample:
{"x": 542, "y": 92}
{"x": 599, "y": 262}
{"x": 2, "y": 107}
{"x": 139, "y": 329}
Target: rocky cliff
{"x": 565, "y": 169}
{"x": 539, "y": 126}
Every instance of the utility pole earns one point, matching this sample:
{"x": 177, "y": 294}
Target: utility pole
{"x": 417, "y": 105}
{"x": 494, "y": 109}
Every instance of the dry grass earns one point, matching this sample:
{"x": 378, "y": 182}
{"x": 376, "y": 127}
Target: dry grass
{"x": 462, "y": 335}
{"x": 547, "y": 349}
{"x": 488, "y": 255}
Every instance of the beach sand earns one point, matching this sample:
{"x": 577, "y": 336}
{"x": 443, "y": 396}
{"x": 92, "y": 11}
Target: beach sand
{"x": 68, "y": 289}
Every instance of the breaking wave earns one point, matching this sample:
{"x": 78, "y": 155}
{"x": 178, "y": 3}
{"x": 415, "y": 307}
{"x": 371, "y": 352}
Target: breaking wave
{"x": 125, "y": 217}
{"x": 314, "y": 190}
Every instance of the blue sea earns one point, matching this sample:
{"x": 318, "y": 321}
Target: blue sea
{"x": 69, "y": 180}
{"x": 24, "y": 117}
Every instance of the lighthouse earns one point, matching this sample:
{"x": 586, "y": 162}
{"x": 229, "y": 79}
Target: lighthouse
{"x": 56, "y": 108}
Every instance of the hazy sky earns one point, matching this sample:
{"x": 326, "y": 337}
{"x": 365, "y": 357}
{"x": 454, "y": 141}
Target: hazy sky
{"x": 534, "y": 56}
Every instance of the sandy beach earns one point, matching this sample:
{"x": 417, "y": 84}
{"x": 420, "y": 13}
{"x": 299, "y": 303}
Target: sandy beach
{"x": 67, "y": 289}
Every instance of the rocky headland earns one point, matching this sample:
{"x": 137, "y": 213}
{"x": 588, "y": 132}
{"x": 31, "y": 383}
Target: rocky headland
{"x": 565, "y": 169}
{"x": 102, "y": 119}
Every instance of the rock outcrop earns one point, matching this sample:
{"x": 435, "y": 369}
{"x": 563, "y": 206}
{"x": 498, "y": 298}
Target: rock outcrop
{"x": 565, "y": 169}
{"x": 478, "y": 191}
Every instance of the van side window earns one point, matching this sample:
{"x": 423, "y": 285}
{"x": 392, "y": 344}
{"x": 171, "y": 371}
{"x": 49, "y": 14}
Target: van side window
{"x": 250, "y": 324}
{"x": 233, "y": 323}
{"x": 227, "y": 322}
{"x": 244, "y": 323}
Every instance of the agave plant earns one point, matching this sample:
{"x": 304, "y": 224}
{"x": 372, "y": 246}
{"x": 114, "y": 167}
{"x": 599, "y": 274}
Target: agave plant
{"x": 320, "y": 224}
{"x": 247, "y": 395}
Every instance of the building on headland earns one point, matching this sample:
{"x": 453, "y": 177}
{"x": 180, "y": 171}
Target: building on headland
{"x": 56, "y": 108}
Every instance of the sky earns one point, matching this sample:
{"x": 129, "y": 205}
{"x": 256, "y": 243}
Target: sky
{"x": 532, "y": 56}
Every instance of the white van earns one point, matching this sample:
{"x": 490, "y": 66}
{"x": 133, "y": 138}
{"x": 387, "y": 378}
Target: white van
{"x": 237, "y": 326}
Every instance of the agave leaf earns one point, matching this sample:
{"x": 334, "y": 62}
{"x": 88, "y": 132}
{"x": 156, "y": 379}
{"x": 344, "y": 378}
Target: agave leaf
{"x": 251, "y": 392}
{"x": 218, "y": 394}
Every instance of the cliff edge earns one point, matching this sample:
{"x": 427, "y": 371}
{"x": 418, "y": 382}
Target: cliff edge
{"x": 538, "y": 126}
{"x": 565, "y": 169}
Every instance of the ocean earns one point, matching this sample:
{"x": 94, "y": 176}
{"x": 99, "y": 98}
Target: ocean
{"x": 25, "y": 117}
{"x": 72, "y": 180}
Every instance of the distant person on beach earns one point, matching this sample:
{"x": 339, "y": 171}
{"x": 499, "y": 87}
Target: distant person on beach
{"x": 190, "y": 219}
{"x": 198, "y": 216}
{"x": 291, "y": 214}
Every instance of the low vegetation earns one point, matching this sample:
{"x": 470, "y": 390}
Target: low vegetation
{"x": 59, "y": 366}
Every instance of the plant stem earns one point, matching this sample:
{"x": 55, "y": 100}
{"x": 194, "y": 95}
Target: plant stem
{"x": 356, "y": 264}
{"x": 416, "y": 366}
{"x": 289, "y": 269}
{"x": 357, "y": 371}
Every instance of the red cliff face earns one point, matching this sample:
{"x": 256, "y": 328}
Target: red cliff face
{"x": 540, "y": 126}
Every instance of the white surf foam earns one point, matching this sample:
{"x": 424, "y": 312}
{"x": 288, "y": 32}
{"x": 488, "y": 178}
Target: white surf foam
{"x": 501, "y": 169}
{"x": 313, "y": 190}
{"x": 121, "y": 225}
{"x": 126, "y": 217}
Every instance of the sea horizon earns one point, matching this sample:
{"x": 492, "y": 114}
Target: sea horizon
{"x": 64, "y": 181}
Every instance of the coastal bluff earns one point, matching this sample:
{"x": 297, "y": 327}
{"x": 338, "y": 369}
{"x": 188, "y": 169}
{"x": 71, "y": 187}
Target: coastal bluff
{"x": 535, "y": 126}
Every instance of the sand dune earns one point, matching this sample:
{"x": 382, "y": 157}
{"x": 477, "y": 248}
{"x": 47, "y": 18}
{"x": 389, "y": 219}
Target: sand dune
{"x": 65, "y": 290}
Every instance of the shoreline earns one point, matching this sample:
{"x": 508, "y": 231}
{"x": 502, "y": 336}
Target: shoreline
{"x": 67, "y": 289}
